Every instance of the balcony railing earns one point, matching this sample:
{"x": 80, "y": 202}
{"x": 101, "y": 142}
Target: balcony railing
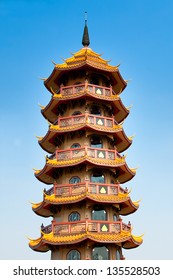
{"x": 59, "y": 228}
{"x": 96, "y": 153}
{"x": 86, "y": 118}
{"x": 65, "y": 190}
{"x": 61, "y": 190}
{"x": 93, "y": 89}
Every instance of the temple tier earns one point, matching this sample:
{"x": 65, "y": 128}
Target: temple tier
{"x": 85, "y": 167}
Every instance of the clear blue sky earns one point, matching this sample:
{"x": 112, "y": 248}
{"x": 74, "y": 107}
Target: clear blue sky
{"x": 136, "y": 34}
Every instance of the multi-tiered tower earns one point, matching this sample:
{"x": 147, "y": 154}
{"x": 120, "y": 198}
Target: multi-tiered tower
{"x": 85, "y": 167}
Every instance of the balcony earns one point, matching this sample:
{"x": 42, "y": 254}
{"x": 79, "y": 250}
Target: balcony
{"x": 85, "y": 87}
{"x": 86, "y": 119}
{"x": 65, "y": 190}
{"x": 96, "y": 153}
{"x": 92, "y": 226}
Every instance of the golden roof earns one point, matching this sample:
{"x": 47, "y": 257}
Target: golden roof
{"x": 115, "y": 162}
{"x": 44, "y": 175}
{"x": 116, "y": 198}
{"x": 126, "y": 237}
{"x": 120, "y": 197}
{"x": 85, "y": 92}
{"x": 86, "y": 56}
{"x": 83, "y": 58}
{"x": 79, "y": 126}
{"x": 128, "y": 205}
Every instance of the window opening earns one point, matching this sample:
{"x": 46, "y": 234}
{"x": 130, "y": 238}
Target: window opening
{"x": 98, "y": 177}
{"x": 94, "y": 80}
{"x": 95, "y": 110}
{"x": 98, "y": 214}
{"x": 115, "y": 217}
{"x": 118, "y": 255}
{"x": 73, "y": 255}
{"x": 100, "y": 253}
{"x": 74, "y": 180}
{"x": 75, "y": 146}
{"x": 96, "y": 142}
{"x": 76, "y": 113}
{"x": 74, "y": 216}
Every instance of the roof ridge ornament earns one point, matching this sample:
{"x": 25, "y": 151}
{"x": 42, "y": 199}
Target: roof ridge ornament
{"x": 85, "y": 38}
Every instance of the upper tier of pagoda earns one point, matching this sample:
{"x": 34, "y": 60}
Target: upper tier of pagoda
{"x": 85, "y": 58}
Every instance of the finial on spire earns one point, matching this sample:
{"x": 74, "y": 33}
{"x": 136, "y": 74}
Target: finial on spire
{"x": 85, "y": 39}
{"x": 86, "y": 17}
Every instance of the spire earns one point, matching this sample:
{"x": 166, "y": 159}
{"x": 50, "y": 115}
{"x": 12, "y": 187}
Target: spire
{"x": 85, "y": 39}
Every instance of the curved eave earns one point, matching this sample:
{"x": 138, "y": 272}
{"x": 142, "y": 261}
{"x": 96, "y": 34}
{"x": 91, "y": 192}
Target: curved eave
{"x": 38, "y": 245}
{"x": 117, "y": 131}
{"x": 125, "y": 173}
{"x": 127, "y": 240}
{"x": 118, "y": 83}
{"x": 127, "y": 206}
{"x": 49, "y": 111}
{"x": 133, "y": 242}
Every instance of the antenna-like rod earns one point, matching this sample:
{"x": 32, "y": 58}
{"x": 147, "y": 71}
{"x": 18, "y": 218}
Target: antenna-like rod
{"x": 85, "y": 39}
{"x": 86, "y": 17}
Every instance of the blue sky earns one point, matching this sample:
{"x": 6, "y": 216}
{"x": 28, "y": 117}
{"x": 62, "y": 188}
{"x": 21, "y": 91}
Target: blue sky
{"x": 136, "y": 34}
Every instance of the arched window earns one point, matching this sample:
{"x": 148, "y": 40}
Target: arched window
{"x": 100, "y": 253}
{"x": 74, "y": 180}
{"x": 118, "y": 255}
{"x": 75, "y": 146}
{"x": 77, "y": 83}
{"x": 98, "y": 213}
{"x": 73, "y": 255}
{"x": 74, "y": 216}
{"x": 96, "y": 142}
{"x": 76, "y": 113}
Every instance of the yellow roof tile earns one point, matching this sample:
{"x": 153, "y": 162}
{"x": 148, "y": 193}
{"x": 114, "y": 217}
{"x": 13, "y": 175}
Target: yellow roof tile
{"x": 78, "y": 126}
{"x": 115, "y": 198}
{"x": 86, "y": 56}
{"x": 116, "y": 237}
{"x": 59, "y": 96}
{"x": 54, "y": 199}
{"x": 50, "y": 238}
{"x": 55, "y": 162}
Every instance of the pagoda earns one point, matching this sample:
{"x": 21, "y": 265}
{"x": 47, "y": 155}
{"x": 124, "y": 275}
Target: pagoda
{"x": 84, "y": 165}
